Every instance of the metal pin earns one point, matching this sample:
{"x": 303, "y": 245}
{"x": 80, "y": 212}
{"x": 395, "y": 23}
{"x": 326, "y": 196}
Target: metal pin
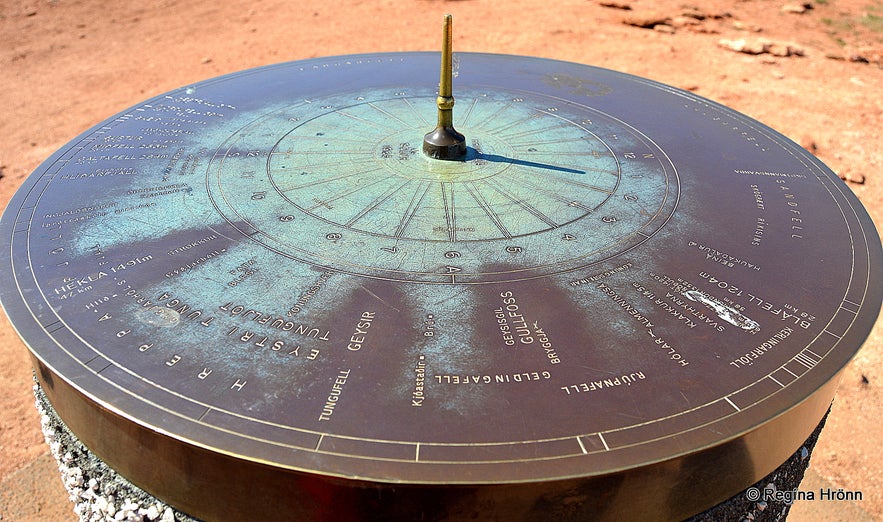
{"x": 445, "y": 142}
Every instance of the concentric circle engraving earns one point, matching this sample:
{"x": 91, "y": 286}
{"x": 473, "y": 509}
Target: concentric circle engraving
{"x": 576, "y": 184}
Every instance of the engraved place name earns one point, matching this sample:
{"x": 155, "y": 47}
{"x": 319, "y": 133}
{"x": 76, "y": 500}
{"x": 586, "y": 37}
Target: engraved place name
{"x": 429, "y": 326}
{"x": 83, "y": 160}
{"x": 766, "y": 173}
{"x": 760, "y": 226}
{"x": 667, "y": 348}
{"x": 243, "y": 271}
{"x": 625, "y": 305}
{"x": 793, "y": 208}
{"x": 261, "y": 340}
{"x": 132, "y": 208}
{"x": 758, "y": 197}
{"x": 357, "y": 340}
{"x": 602, "y": 275}
{"x": 497, "y": 378}
{"x": 334, "y": 395}
{"x": 659, "y": 342}
{"x": 74, "y": 215}
{"x": 101, "y": 173}
{"x": 786, "y": 312}
{"x": 191, "y": 163}
{"x": 170, "y": 166}
{"x": 279, "y": 323}
{"x": 156, "y": 131}
{"x": 762, "y": 349}
{"x": 200, "y": 101}
{"x": 165, "y": 311}
{"x": 192, "y": 244}
{"x": 161, "y": 190}
{"x": 418, "y": 395}
{"x": 545, "y": 344}
{"x": 195, "y": 263}
{"x": 697, "y": 303}
{"x": 723, "y": 258}
{"x": 626, "y": 379}
{"x": 72, "y": 286}
{"x": 673, "y": 311}
{"x": 179, "y": 109}
{"x": 113, "y": 146}
{"x": 510, "y": 313}
{"x": 309, "y": 293}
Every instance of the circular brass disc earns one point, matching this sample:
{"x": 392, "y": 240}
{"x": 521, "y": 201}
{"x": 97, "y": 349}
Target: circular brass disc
{"x": 625, "y": 299}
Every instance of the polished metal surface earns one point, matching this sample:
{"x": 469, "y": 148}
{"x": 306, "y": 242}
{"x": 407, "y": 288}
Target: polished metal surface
{"x": 260, "y": 282}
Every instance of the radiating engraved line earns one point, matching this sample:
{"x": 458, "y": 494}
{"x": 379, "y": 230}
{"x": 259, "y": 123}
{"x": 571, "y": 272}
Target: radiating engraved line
{"x": 551, "y": 194}
{"x": 581, "y": 446}
{"x": 570, "y": 181}
{"x": 499, "y": 130}
{"x": 449, "y": 211}
{"x": 347, "y": 193}
{"x": 731, "y": 403}
{"x": 403, "y": 122}
{"x": 547, "y": 142}
{"x": 413, "y": 205}
{"x": 417, "y": 453}
{"x": 466, "y": 116}
{"x": 850, "y": 302}
{"x": 488, "y": 210}
{"x": 311, "y": 137}
{"x": 534, "y": 131}
{"x": 369, "y": 122}
{"x": 493, "y": 117}
{"x": 419, "y": 115}
{"x": 335, "y": 152}
{"x": 377, "y": 202}
{"x": 776, "y": 381}
{"x": 326, "y": 180}
{"x": 594, "y": 154}
{"x": 604, "y": 442}
{"x": 792, "y": 373}
{"x": 319, "y": 442}
{"x": 533, "y": 210}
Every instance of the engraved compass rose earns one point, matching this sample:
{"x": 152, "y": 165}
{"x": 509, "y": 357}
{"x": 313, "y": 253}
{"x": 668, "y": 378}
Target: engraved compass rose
{"x": 544, "y": 185}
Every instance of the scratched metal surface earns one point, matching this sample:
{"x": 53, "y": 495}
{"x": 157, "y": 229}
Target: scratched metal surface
{"x": 265, "y": 265}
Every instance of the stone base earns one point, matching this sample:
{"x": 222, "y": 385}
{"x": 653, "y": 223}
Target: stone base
{"x": 100, "y": 494}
